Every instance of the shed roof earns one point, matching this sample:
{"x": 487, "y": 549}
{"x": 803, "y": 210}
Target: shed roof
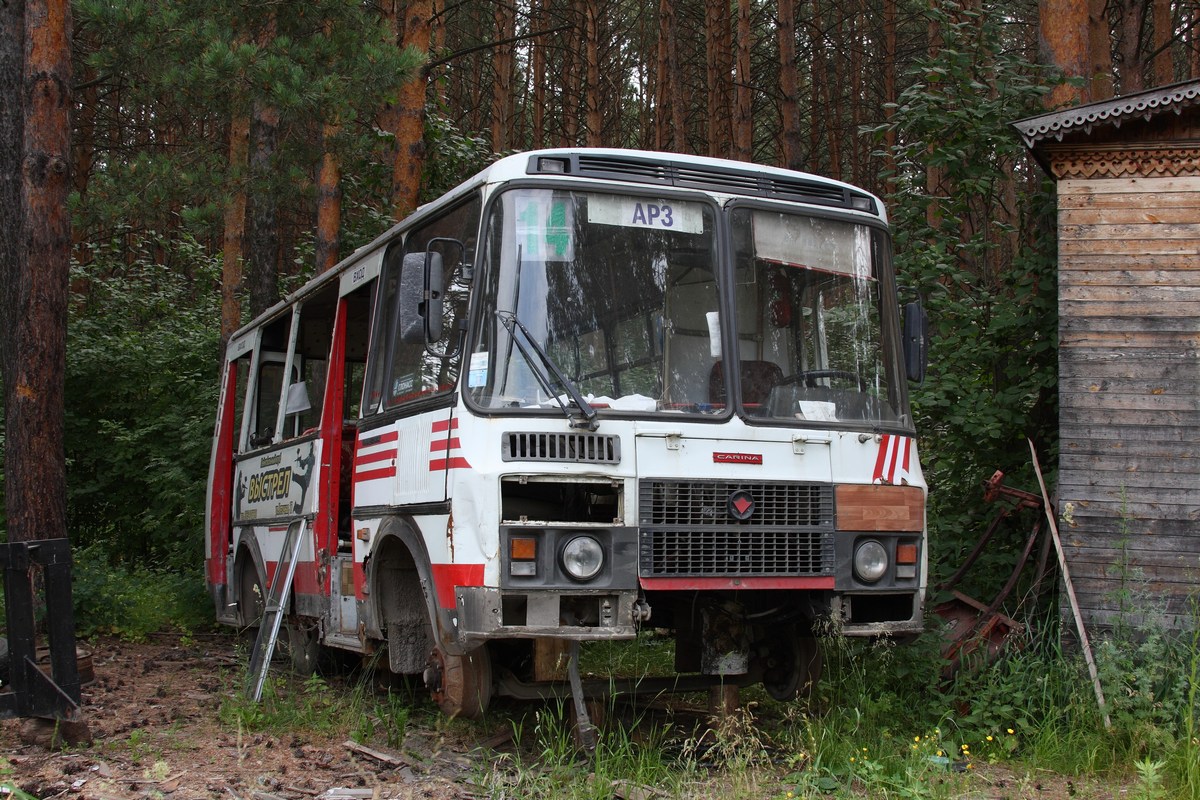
{"x": 1143, "y": 105}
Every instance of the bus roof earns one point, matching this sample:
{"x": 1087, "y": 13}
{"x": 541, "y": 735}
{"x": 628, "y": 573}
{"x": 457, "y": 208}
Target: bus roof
{"x": 719, "y": 176}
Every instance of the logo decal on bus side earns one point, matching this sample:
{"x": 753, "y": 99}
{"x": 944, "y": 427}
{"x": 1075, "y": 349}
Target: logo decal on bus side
{"x": 737, "y": 458}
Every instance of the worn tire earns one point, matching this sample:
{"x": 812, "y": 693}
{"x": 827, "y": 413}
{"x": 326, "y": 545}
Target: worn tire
{"x": 461, "y": 685}
{"x": 792, "y": 665}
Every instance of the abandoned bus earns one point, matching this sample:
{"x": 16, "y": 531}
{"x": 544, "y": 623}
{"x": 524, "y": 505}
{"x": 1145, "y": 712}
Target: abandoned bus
{"x": 585, "y": 392}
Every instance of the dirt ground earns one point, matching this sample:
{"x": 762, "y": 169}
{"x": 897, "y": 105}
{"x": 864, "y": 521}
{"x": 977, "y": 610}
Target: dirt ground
{"x": 153, "y": 713}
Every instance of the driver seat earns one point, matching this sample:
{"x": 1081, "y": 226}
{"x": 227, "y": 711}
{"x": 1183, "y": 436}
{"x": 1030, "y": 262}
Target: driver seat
{"x": 758, "y": 379}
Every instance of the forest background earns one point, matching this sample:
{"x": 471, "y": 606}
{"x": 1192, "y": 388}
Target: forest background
{"x": 224, "y": 152}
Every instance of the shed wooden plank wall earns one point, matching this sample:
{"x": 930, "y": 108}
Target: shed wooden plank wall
{"x": 1129, "y": 393}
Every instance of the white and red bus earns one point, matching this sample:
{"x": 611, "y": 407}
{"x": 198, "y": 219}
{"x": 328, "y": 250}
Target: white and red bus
{"x": 587, "y": 391}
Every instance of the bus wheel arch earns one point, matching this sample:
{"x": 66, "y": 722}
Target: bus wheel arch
{"x": 401, "y": 587}
{"x": 251, "y": 585}
{"x": 420, "y": 636}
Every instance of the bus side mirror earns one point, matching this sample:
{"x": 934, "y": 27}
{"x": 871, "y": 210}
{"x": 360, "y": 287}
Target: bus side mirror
{"x": 916, "y": 341}
{"x": 420, "y": 296}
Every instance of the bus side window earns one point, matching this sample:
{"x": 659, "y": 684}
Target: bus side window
{"x": 401, "y": 372}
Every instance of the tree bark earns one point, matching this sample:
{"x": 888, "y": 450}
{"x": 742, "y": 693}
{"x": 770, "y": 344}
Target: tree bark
{"x": 538, "y": 52}
{"x": 408, "y": 113}
{"x": 1164, "y": 65}
{"x": 235, "y": 226}
{"x": 329, "y": 202}
{"x": 35, "y": 325}
{"x": 743, "y": 90}
{"x": 1065, "y": 41}
{"x": 1100, "y": 51}
{"x": 1129, "y": 33}
{"x": 502, "y": 83}
{"x": 789, "y": 87}
{"x": 263, "y": 252}
{"x": 593, "y": 91}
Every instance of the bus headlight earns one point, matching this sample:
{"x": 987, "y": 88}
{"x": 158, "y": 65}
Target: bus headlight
{"x": 582, "y": 558}
{"x": 870, "y": 561}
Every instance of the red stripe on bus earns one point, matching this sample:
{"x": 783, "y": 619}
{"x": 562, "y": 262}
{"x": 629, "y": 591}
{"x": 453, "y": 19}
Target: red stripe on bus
{"x": 447, "y": 577}
{"x": 375, "y": 474}
{"x": 371, "y": 458}
{"x": 443, "y": 425}
{"x": 368, "y": 440}
{"x": 444, "y": 444}
{"x": 682, "y": 584}
{"x": 456, "y": 462}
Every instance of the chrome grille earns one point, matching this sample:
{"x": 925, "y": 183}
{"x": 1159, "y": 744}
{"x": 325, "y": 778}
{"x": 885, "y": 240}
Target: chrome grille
{"x": 590, "y": 448}
{"x": 686, "y": 529}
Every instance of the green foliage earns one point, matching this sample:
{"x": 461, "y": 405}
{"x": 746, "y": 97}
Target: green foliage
{"x": 977, "y": 248}
{"x": 131, "y": 600}
{"x": 140, "y": 392}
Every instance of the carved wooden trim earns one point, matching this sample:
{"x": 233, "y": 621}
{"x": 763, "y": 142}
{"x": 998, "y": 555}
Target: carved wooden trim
{"x": 1125, "y": 161}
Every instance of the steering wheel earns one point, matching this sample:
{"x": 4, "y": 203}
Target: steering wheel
{"x": 810, "y": 377}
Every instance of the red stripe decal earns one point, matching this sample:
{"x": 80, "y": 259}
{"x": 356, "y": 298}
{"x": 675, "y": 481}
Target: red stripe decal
{"x": 369, "y": 441}
{"x": 371, "y": 458}
{"x": 375, "y": 474}
{"x": 684, "y": 584}
{"x": 450, "y": 462}
{"x": 444, "y": 444}
{"x": 877, "y": 475}
{"x": 447, "y": 577}
{"x": 442, "y": 425}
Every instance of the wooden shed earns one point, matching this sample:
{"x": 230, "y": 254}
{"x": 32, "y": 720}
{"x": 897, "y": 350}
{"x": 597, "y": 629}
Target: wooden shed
{"x": 1128, "y": 178}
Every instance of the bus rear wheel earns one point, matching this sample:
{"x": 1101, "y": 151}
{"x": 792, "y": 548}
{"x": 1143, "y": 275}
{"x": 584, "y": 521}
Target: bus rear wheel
{"x": 791, "y": 665}
{"x": 460, "y": 685}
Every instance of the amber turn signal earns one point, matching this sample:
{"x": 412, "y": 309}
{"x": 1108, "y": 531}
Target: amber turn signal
{"x": 906, "y": 554}
{"x": 521, "y": 548}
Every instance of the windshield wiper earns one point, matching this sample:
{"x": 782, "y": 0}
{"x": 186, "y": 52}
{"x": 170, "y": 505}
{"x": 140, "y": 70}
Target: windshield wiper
{"x": 548, "y": 371}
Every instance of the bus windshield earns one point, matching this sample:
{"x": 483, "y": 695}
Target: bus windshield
{"x": 618, "y": 291}
{"x": 620, "y": 294}
{"x": 813, "y": 343}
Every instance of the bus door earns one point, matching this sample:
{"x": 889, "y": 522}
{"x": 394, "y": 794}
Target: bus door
{"x": 278, "y": 474}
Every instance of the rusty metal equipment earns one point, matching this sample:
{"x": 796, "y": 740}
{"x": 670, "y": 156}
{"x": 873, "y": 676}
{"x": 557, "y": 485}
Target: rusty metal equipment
{"x": 30, "y": 691}
{"x": 973, "y": 625}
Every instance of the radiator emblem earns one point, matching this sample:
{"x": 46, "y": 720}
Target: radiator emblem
{"x": 741, "y": 505}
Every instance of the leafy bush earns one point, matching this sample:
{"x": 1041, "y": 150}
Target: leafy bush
{"x": 140, "y": 394}
{"x": 132, "y": 600}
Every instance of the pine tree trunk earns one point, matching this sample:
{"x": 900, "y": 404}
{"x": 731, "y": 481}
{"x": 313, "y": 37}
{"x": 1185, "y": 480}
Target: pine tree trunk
{"x": 744, "y": 92}
{"x": 538, "y": 52}
{"x": 662, "y": 76}
{"x": 789, "y": 87}
{"x": 35, "y": 324}
{"x": 329, "y": 203}
{"x": 1164, "y": 66}
{"x": 1065, "y": 43}
{"x": 502, "y": 83}
{"x": 593, "y": 91}
{"x": 1129, "y": 37}
{"x": 714, "y": 17}
{"x": 1099, "y": 52}
{"x": 235, "y": 226}
{"x": 408, "y": 118}
{"x": 888, "y": 68}
{"x": 263, "y": 253}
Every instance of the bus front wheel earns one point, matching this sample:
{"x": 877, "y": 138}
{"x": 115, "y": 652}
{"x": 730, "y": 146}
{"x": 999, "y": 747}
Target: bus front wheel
{"x": 460, "y": 685}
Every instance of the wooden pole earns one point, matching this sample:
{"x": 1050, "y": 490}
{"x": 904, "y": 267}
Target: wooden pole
{"x": 1062, "y": 565}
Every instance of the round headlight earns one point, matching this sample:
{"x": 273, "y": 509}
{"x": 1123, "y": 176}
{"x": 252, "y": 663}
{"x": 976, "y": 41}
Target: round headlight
{"x": 870, "y": 561}
{"x": 582, "y": 558}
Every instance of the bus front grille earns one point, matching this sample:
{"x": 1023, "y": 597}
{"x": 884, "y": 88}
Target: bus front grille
{"x": 687, "y": 528}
